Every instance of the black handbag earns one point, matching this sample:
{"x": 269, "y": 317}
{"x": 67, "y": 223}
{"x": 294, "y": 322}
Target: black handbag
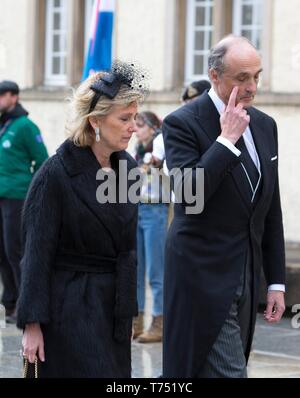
{"x": 30, "y": 370}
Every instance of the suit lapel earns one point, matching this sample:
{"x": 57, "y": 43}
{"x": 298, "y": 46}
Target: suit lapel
{"x": 261, "y": 143}
{"x": 242, "y": 185}
{"x": 209, "y": 116}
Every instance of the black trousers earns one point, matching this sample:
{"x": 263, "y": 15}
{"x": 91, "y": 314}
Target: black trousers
{"x": 10, "y": 250}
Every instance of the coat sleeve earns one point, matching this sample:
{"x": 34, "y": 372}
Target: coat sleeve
{"x": 273, "y": 237}
{"x": 183, "y": 151}
{"x": 40, "y": 233}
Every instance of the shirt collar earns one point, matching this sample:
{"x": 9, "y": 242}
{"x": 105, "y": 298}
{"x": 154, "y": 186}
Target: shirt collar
{"x": 219, "y": 104}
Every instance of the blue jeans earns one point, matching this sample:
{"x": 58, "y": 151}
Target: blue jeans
{"x": 151, "y": 237}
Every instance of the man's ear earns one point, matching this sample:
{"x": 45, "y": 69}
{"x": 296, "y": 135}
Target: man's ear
{"x": 16, "y": 98}
{"x": 213, "y": 76}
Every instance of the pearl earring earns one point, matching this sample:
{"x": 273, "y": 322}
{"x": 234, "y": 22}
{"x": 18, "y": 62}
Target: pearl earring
{"x": 97, "y": 131}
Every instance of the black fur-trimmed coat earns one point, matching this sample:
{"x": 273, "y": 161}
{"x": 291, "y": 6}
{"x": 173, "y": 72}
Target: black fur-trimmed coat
{"x": 79, "y": 268}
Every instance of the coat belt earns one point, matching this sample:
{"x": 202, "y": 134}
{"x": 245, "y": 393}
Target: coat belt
{"x": 125, "y": 269}
{"x": 85, "y": 263}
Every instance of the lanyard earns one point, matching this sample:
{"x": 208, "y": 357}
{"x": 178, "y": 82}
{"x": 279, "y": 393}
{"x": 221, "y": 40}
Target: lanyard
{"x": 4, "y": 128}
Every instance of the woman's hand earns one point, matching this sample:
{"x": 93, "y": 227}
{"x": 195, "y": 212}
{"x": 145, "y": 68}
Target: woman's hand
{"x": 33, "y": 343}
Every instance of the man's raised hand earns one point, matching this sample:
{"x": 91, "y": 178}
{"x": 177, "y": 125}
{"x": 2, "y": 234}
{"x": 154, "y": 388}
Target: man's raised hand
{"x": 234, "y": 119}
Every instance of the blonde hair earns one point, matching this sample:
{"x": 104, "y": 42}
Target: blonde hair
{"x": 78, "y": 127}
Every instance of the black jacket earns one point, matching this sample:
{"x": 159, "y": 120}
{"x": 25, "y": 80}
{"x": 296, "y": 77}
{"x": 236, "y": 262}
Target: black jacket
{"x": 205, "y": 253}
{"x": 79, "y": 268}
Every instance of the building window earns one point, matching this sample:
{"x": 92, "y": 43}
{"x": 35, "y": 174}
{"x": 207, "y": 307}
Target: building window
{"x": 247, "y": 20}
{"x": 56, "y": 43}
{"x": 199, "y": 38}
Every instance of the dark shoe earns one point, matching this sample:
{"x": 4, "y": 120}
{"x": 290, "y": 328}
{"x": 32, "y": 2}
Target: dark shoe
{"x": 154, "y": 333}
{"x": 11, "y": 318}
{"x": 138, "y": 325}
{"x": 9, "y": 312}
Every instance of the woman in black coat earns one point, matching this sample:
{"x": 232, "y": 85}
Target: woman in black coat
{"x": 78, "y": 290}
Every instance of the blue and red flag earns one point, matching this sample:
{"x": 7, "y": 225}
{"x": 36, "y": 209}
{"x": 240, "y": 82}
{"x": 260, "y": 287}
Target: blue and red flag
{"x": 99, "y": 56}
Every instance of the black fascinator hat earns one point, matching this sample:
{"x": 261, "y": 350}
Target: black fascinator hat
{"x": 121, "y": 73}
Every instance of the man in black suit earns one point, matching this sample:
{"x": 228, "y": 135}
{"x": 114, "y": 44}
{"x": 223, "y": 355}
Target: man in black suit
{"x": 214, "y": 259}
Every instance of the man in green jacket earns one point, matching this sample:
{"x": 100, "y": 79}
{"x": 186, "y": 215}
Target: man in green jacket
{"x": 22, "y": 152}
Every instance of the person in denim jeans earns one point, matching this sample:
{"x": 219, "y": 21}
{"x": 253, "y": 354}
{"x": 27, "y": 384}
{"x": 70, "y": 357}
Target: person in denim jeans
{"x": 151, "y": 231}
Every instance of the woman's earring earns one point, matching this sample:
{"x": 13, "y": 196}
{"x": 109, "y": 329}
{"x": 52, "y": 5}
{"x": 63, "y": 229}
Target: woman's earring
{"x": 97, "y": 131}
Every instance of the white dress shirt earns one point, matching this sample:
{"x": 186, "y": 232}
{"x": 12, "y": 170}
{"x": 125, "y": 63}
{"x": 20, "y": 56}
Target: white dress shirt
{"x": 159, "y": 153}
{"x": 249, "y": 142}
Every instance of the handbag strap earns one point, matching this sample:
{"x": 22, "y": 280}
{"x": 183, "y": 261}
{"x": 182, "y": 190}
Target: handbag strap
{"x": 26, "y": 365}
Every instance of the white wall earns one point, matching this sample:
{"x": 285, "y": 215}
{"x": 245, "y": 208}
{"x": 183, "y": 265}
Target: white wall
{"x": 285, "y": 46}
{"x": 144, "y": 32}
{"x": 50, "y": 117}
{"x": 13, "y": 40}
{"x": 288, "y": 122}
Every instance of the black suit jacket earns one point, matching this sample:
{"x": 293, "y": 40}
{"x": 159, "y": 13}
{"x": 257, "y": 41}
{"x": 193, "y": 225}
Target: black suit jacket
{"x": 205, "y": 253}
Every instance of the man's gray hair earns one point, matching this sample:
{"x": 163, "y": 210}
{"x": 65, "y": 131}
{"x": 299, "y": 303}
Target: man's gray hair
{"x": 218, "y": 52}
{"x": 216, "y": 58}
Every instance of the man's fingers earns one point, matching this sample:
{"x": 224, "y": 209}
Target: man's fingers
{"x": 239, "y": 106}
{"x": 278, "y": 312}
{"x": 269, "y": 310}
{"x": 276, "y": 316}
{"x": 232, "y": 99}
{"x": 274, "y": 312}
{"x": 275, "y": 306}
